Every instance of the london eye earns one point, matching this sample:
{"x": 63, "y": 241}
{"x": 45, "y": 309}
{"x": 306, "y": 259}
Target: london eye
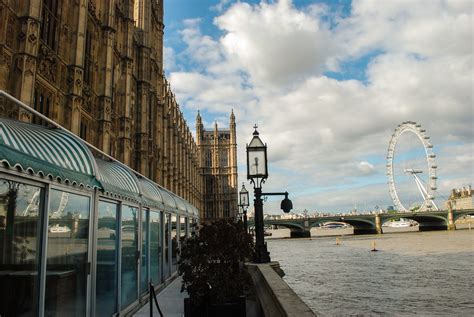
{"x": 427, "y": 188}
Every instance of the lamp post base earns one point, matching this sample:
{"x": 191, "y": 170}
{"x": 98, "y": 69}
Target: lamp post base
{"x": 261, "y": 254}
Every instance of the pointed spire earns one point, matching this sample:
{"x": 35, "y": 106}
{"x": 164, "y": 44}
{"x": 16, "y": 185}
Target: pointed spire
{"x": 232, "y": 116}
{"x": 198, "y": 117}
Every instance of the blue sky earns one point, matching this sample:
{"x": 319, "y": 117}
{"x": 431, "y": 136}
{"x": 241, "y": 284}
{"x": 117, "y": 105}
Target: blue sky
{"x": 328, "y": 82}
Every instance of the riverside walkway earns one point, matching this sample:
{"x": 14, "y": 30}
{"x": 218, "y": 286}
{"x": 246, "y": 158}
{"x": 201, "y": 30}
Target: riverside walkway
{"x": 170, "y": 299}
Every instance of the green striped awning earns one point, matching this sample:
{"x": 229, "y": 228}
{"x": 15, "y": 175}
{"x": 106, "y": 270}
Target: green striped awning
{"x": 168, "y": 198}
{"x": 117, "y": 180}
{"x": 190, "y": 208}
{"x": 151, "y": 193}
{"x": 181, "y": 204}
{"x": 46, "y": 152}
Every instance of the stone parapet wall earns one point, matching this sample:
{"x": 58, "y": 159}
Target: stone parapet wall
{"x": 276, "y": 298}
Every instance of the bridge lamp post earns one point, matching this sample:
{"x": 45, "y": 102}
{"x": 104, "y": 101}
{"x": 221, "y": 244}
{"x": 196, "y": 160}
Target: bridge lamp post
{"x": 244, "y": 203}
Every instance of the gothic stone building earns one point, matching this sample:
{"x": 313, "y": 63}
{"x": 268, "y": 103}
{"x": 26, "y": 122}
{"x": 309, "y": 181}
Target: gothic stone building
{"x": 218, "y": 152}
{"x": 96, "y": 68}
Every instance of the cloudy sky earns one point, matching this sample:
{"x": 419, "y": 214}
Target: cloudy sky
{"x": 327, "y": 82}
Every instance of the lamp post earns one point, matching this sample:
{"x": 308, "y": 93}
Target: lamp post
{"x": 244, "y": 204}
{"x": 257, "y": 172}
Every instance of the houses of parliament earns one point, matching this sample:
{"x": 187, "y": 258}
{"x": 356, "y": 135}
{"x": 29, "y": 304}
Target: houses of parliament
{"x": 96, "y": 68}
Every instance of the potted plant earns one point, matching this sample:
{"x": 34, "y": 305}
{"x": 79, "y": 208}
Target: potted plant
{"x": 213, "y": 272}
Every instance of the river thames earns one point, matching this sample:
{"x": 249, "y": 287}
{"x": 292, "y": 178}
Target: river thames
{"x": 414, "y": 273}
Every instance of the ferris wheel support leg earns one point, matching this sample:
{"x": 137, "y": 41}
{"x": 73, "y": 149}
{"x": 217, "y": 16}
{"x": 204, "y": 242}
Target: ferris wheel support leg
{"x": 420, "y": 186}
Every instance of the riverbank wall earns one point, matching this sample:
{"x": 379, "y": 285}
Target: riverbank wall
{"x": 275, "y": 297}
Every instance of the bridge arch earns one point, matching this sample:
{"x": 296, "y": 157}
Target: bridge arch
{"x": 361, "y": 226}
{"x": 289, "y": 225}
{"x": 458, "y": 214}
{"x": 426, "y": 222}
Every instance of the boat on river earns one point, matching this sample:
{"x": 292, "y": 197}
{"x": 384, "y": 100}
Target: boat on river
{"x": 333, "y": 225}
{"x": 59, "y": 229}
{"x": 402, "y": 223}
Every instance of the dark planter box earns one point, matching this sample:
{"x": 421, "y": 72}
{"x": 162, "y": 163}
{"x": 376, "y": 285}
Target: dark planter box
{"x": 234, "y": 309}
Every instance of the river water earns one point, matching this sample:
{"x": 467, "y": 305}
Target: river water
{"x": 414, "y": 273}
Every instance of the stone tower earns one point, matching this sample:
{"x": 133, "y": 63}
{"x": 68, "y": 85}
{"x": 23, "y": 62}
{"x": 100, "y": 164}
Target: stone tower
{"x": 218, "y": 162}
{"x": 96, "y": 68}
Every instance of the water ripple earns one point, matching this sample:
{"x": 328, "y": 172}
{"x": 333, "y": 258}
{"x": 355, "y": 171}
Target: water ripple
{"x": 423, "y": 274}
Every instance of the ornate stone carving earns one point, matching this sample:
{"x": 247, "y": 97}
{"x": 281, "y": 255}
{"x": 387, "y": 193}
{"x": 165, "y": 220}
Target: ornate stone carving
{"x": 32, "y": 38}
{"x": 75, "y": 80}
{"x": 26, "y": 63}
{"x": 21, "y": 36}
{"x": 47, "y": 63}
{"x": 65, "y": 30}
{"x": 10, "y": 30}
{"x": 5, "y": 59}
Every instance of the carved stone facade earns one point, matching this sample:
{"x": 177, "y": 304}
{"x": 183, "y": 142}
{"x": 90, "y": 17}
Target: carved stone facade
{"x": 218, "y": 159}
{"x": 96, "y": 68}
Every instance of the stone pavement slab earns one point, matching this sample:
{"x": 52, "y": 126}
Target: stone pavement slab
{"x": 171, "y": 302}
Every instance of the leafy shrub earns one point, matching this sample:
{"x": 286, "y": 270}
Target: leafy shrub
{"x": 212, "y": 262}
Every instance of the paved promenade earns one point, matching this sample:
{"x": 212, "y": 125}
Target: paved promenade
{"x": 170, "y": 300}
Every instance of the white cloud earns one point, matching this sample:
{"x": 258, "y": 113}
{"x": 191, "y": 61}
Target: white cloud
{"x": 220, "y": 6}
{"x": 426, "y": 27}
{"x": 169, "y": 59}
{"x": 365, "y": 168}
{"x": 275, "y": 43}
{"x": 324, "y": 134}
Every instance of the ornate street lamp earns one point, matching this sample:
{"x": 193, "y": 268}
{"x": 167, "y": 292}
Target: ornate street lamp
{"x": 257, "y": 160}
{"x": 244, "y": 203}
{"x": 257, "y": 172}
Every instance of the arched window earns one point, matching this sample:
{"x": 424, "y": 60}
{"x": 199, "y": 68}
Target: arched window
{"x": 43, "y": 103}
{"x": 88, "y": 58}
{"x": 49, "y": 23}
{"x": 208, "y": 158}
{"x": 224, "y": 161}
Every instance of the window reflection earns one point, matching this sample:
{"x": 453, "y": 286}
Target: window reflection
{"x": 182, "y": 229}
{"x": 19, "y": 228}
{"x": 67, "y": 254}
{"x": 129, "y": 255}
{"x": 144, "y": 253}
{"x": 166, "y": 264}
{"x": 174, "y": 243}
{"x": 155, "y": 247}
{"x": 107, "y": 258}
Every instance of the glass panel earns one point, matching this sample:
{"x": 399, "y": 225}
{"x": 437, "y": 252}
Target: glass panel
{"x": 166, "y": 265}
{"x": 187, "y": 227}
{"x": 182, "y": 229}
{"x": 129, "y": 255}
{"x": 144, "y": 260}
{"x": 155, "y": 248}
{"x": 19, "y": 229}
{"x": 256, "y": 162}
{"x": 107, "y": 258}
{"x": 174, "y": 243}
{"x": 66, "y": 264}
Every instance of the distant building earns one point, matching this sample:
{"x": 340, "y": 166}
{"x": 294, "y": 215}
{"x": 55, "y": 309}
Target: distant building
{"x": 461, "y": 198}
{"x": 218, "y": 161}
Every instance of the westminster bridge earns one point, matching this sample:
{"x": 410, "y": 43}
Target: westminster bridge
{"x": 372, "y": 223}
